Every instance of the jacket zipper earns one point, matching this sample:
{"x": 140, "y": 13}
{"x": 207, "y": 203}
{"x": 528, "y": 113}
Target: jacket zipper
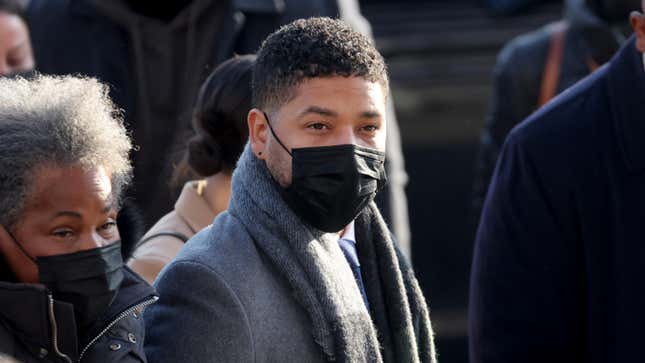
{"x": 116, "y": 320}
{"x": 52, "y": 321}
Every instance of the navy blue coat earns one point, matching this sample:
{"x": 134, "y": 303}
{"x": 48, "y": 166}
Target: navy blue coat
{"x": 558, "y": 272}
{"x": 518, "y": 78}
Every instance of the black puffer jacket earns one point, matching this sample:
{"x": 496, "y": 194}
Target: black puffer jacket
{"x": 36, "y": 328}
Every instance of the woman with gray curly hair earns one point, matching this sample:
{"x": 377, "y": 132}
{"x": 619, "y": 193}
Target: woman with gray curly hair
{"x": 65, "y": 293}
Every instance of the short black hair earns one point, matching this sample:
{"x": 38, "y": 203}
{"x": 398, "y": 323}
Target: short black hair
{"x": 312, "y": 48}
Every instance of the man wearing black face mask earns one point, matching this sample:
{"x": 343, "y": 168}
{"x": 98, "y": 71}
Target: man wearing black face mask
{"x": 156, "y": 54}
{"x": 65, "y": 295}
{"x": 301, "y": 267}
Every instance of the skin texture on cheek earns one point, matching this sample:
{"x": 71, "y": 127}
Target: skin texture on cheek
{"x": 24, "y": 269}
{"x": 278, "y": 162}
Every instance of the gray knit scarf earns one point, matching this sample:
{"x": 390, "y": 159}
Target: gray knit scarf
{"x": 397, "y": 329}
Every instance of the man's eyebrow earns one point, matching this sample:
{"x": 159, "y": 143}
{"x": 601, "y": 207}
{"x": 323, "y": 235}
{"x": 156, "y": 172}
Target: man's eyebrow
{"x": 66, "y": 213}
{"x": 318, "y": 111}
{"x": 370, "y": 114}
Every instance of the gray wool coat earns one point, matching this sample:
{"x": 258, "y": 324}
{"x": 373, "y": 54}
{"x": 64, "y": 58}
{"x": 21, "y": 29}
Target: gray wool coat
{"x": 261, "y": 285}
{"x": 235, "y": 289}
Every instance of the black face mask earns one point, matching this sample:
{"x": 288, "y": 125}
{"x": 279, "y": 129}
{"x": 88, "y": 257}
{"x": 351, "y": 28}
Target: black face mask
{"x": 89, "y": 280}
{"x": 331, "y": 185}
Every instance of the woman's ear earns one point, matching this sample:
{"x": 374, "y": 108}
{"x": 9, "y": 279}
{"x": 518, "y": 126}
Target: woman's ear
{"x": 258, "y": 128}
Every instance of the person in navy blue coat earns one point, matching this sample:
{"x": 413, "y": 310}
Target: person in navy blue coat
{"x": 558, "y": 272}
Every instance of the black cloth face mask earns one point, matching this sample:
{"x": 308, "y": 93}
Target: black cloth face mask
{"x": 89, "y": 279}
{"x": 330, "y": 185}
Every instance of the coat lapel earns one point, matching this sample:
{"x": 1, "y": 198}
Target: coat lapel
{"x": 626, "y": 81}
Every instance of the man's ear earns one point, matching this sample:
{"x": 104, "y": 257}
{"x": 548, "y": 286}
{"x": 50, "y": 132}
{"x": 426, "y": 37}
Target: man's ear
{"x": 637, "y": 20}
{"x": 258, "y": 129}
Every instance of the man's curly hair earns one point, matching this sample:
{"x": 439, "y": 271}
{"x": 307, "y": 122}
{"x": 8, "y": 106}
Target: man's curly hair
{"x": 312, "y": 48}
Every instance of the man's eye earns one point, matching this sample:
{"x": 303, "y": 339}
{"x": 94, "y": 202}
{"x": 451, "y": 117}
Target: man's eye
{"x": 370, "y": 128}
{"x": 317, "y": 126}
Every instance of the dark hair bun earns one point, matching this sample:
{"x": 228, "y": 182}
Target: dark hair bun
{"x": 219, "y": 119}
{"x": 204, "y": 157}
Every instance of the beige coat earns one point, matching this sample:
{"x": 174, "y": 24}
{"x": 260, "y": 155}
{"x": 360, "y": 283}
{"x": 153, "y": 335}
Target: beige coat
{"x": 191, "y": 214}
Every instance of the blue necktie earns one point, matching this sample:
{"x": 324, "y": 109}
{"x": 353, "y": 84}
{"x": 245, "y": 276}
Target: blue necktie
{"x": 349, "y": 250}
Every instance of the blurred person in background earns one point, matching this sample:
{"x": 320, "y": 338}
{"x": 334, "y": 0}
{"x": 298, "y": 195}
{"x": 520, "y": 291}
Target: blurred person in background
{"x": 301, "y": 266}
{"x": 65, "y": 293}
{"x": 219, "y": 120}
{"x": 16, "y": 55}
{"x": 156, "y": 54}
{"x": 535, "y": 67}
{"x": 559, "y": 257}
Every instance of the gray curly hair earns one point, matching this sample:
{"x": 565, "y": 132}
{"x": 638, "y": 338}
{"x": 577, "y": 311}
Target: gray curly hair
{"x": 51, "y": 120}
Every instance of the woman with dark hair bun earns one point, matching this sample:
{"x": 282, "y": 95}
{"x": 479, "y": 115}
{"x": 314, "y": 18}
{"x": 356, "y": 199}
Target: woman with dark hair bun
{"x": 219, "y": 121}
